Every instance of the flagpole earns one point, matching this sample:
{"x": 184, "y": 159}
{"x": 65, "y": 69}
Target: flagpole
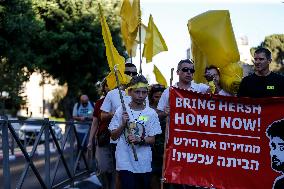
{"x": 172, "y": 75}
{"x": 118, "y": 86}
{"x": 140, "y": 49}
{"x": 131, "y": 56}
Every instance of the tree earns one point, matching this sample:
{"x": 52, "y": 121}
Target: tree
{"x": 71, "y": 46}
{"x": 276, "y": 44}
{"x": 17, "y": 59}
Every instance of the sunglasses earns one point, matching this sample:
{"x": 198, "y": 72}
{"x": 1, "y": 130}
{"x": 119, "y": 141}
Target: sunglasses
{"x": 158, "y": 86}
{"x": 130, "y": 73}
{"x": 191, "y": 70}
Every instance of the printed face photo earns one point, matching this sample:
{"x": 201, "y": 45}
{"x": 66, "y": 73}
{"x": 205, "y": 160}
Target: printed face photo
{"x": 277, "y": 153}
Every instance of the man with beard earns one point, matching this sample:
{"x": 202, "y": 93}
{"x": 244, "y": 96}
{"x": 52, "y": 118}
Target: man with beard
{"x": 276, "y": 136}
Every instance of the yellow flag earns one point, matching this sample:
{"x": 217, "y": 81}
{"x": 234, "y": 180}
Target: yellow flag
{"x": 135, "y": 17}
{"x": 159, "y": 77}
{"x": 113, "y": 56}
{"x": 130, "y": 22}
{"x": 213, "y": 43}
{"x": 154, "y": 42}
{"x": 111, "y": 80}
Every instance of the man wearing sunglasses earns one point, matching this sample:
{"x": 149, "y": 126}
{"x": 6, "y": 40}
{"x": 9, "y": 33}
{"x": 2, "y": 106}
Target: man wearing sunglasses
{"x": 185, "y": 71}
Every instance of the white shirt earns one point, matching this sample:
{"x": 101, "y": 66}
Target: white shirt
{"x": 164, "y": 100}
{"x": 82, "y": 111}
{"x": 112, "y": 102}
{"x": 148, "y": 118}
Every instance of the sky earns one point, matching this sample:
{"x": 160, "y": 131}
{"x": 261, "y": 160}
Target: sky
{"x": 252, "y": 18}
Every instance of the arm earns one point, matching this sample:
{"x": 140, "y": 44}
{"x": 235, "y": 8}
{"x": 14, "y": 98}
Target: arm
{"x": 153, "y": 128}
{"x": 78, "y": 118}
{"x": 106, "y": 116}
{"x": 139, "y": 140}
{"x": 75, "y": 114}
{"x": 163, "y": 105}
{"x": 163, "y": 114}
{"x": 115, "y": 134}
{"x": 93, "y": 132}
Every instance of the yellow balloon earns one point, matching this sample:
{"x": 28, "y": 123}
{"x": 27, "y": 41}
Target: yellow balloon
{"x": 214, "y": 43}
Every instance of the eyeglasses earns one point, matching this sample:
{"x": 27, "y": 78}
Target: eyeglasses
{"x": 130, "y": 73}
{"x": 191, "y": 70}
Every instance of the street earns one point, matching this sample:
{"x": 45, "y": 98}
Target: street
{"x": 18, "y": 163}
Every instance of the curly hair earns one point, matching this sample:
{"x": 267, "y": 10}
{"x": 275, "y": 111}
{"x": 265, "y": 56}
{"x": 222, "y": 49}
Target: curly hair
{"x": 276, "y": 129}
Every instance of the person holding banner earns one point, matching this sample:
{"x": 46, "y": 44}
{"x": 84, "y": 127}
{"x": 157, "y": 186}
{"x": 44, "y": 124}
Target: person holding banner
{"x": 212, "y": 75}
{"x": 137, "y": 125}
{"x": 154, "y": 96}
{"x": 185, "y": 71}
{"x": 263, "y": 82}
{"x": 276, "y": 136}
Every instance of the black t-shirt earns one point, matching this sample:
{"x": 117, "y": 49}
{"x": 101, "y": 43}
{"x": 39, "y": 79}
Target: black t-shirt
{"x": 279, "y": 184}
{"x": 262, "y": 86}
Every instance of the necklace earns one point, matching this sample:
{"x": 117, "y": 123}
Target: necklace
{"x": 133, "y": 114}
{"x": 137, "y": 116}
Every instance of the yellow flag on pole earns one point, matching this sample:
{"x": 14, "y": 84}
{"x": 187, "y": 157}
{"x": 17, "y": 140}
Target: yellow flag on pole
{"x": 154, "y": 42}
{"x": 130, "y": 22}
{"x": 112, "y": 54}
{"x": 159, "y": 77}
{"x": 111, "y": 80}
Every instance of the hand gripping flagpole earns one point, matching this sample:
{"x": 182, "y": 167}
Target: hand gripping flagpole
{"x": 124, "y": 109}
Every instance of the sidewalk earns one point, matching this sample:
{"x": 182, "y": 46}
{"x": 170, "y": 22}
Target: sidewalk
{"x": 91, "y": 182}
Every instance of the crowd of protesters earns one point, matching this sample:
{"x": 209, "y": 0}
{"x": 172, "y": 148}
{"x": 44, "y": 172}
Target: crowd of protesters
{"x": 129, "y": 138}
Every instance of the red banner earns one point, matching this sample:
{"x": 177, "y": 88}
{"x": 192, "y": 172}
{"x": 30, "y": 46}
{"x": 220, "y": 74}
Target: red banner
{"x": 219, "y": 141}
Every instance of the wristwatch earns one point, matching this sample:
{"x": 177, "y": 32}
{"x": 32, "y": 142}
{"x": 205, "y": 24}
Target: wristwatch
{"x": 142, "y": 142}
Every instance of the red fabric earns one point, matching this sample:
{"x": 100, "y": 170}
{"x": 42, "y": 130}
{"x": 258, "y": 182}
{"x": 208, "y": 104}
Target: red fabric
{"x": 103, "y": 125}
{"x": 220, "y": 153}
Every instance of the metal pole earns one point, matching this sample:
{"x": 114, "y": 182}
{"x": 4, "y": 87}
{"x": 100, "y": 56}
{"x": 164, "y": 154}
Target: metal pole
{"x": 5, "y": 145}
{"x": 47, "y": 152}
{"x": 140, "y": 41}
{"x": 43, "y": 101}
{"x": 72, "y": 158}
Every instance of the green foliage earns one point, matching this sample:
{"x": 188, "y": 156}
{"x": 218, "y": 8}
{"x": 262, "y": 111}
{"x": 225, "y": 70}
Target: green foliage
{"x": 61, "y": 38}
{"x": 17, "y": 59}
{"x": 276, "y": 44}
{"x": 71, "y": 45}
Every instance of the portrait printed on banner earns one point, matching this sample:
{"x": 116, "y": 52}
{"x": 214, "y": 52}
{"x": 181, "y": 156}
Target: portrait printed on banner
{"x": 275, "y": 133}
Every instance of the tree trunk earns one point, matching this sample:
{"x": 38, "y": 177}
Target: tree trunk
{"x": 68, "y": 102}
